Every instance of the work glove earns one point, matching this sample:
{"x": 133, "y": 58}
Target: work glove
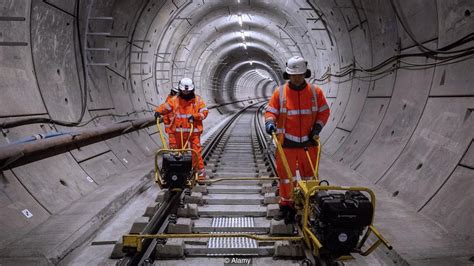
{"x": 315, "y": 131}
{"x": 157, "y": 115}
{"x": 270, "y": 127}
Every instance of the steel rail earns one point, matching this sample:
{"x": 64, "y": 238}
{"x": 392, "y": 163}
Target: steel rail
{"x": 159, "y": 221}
{"x": 207, "y": 150}
{"x": 263, "y": 142}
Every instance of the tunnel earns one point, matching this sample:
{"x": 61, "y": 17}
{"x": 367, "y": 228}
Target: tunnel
{"x": 80, "y": 79}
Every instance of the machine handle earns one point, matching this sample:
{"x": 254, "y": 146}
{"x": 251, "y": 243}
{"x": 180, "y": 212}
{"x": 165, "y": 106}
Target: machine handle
{"x": 162, "y": 138}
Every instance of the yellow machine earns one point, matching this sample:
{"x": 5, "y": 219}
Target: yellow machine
{"x": 328, "y": 230}
{"x": 308, "y": 189}
{"x": 336, "y": 236}
{"x": 177, "y": 171}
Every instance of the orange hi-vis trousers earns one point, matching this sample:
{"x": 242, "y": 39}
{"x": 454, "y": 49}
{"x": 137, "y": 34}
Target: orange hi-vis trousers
{"x": 295, "y": 156}
{"x": 195, "y": 142}
{"x": 172, "y": 141}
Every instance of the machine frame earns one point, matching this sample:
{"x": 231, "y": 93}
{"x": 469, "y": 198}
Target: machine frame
{"x": 302, "y": 194}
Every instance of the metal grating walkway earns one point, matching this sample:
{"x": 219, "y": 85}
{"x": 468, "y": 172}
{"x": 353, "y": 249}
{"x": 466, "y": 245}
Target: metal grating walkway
{"x": 236, "y": 222}
{"x": 233, "y": 243}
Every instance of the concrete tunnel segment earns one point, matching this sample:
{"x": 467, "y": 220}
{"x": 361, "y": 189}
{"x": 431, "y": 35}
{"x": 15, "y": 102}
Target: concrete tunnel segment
{"x": 407, "y": 131}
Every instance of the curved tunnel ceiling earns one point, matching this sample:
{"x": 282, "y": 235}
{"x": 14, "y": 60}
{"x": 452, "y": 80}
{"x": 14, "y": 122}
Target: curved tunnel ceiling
{"x": 212, "y": 37}
{"x": 399, "y": 88}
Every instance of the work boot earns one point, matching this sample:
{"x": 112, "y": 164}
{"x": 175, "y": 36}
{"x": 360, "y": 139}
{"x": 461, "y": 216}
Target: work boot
{"x": 281, "y": 213}
{"x": 291, "y": 217}
{"x": 286, "y": 213}
{"x": 202, "y": 174}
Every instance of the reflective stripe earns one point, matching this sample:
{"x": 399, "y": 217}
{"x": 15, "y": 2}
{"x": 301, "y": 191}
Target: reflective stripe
{"x": 167, "y": 125}
{"x": 300, "y": 112}
{"x": 188, "y": 130}
{"x": 183, "y": 116}
{"x": 315, "y": 98}
{"x": 168, "y": 107}
{"x": 324, "y": 108}
{"x": 284, "y": 180}
{"x": 295, "y": 138}
{"x": 293, "y": 112}
{"x": 283, "y": 109}
{"x": 203, "y": 109}
{"x": 272, "y": 110}
{"x": 202, "y": 115}
{"x": 285, "y": 199}
{"x": 282, "y": 92}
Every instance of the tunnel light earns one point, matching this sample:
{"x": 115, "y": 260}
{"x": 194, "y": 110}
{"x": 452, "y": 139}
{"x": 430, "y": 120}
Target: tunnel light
{"x": 251, "y": 62}
{"x": 240, "y": 20}
{"x": 245, "y": 46}
{"x": 243, "y": 35}
{"x": 263, "y": 74}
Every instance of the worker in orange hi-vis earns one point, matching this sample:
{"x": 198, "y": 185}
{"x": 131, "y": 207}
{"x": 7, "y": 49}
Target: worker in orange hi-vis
{"x": 297, "y": 112}
{"x": 188, "y": 109}
{"x": 168, "y": 120}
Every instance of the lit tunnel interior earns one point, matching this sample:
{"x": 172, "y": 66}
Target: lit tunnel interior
{"x": 399, "y": 85}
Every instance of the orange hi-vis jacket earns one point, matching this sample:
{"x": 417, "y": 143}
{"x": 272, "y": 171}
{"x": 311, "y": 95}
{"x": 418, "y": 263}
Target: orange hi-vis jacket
{"x": 168, "y": 119}
{"x": 296, "y": 112}
{"x": 182, "y": 111}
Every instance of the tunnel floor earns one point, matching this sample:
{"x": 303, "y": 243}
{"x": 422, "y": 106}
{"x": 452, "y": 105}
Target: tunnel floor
{"x": 417, "y": 240}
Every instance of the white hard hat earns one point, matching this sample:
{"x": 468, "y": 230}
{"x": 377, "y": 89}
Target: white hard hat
{"x": 186, "y": 84}
{"x": 296, "y": 66}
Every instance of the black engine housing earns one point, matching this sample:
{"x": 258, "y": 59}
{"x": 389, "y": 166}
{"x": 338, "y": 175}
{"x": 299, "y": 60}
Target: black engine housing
{"x": 339, "y": 219}
{"x": 176, "y": 169}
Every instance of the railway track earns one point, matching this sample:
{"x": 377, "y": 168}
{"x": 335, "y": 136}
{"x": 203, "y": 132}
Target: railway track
{"x": 236, "y": 151}
{"x": 228, "y": 205}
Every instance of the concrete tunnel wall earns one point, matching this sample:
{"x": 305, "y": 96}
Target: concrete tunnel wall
{"x": 409, "y": 130}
